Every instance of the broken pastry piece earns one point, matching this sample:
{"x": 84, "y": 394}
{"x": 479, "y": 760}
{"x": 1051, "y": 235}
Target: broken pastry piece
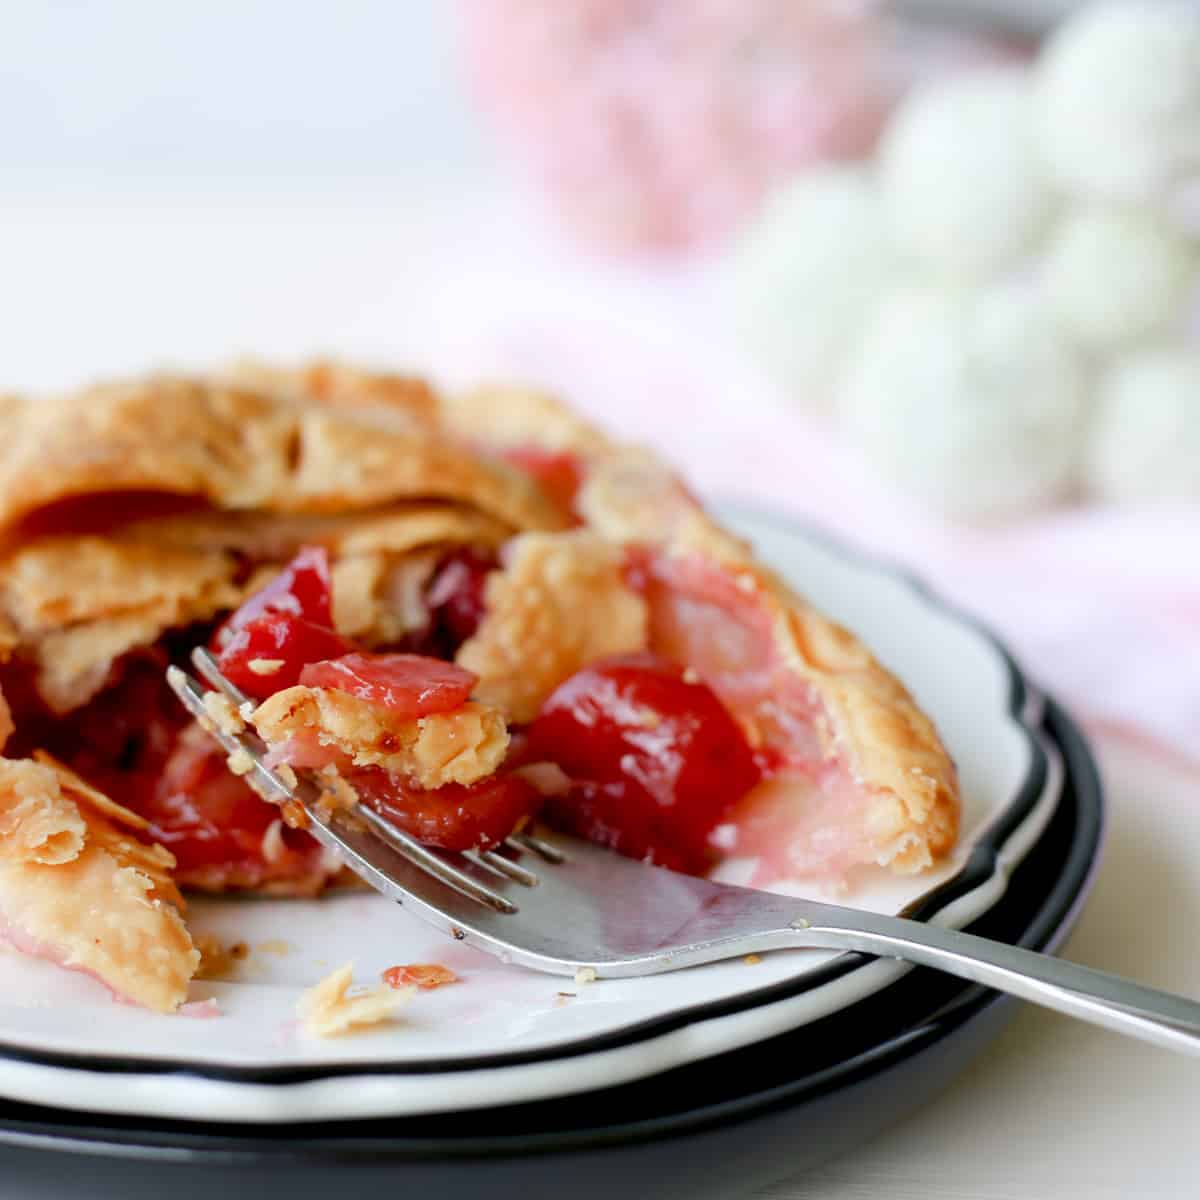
{"x": 80, "y": 888}
{"x": 333, "y": 1006}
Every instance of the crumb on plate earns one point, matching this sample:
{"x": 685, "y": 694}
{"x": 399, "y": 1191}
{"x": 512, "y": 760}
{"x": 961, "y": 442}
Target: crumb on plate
{"x": 330, "y": 1009}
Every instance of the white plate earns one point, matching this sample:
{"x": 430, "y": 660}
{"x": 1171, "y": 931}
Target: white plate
{"x": 503, "y": 1034}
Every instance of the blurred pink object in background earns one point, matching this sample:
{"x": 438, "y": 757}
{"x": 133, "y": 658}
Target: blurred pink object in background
{"x": 659, "y": 124}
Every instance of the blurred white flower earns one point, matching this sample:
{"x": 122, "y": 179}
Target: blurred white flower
{"x": 963, "y": 190}
{"x": 970, "y": 402}
{"x": 1146, "y": 442}
{"x": 1113, "y": 275}
{"x": 1118, "y": 100}
{"x": 806, "y": 277}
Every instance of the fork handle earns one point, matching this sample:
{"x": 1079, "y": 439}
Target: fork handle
{"x": 1096, "y": 996}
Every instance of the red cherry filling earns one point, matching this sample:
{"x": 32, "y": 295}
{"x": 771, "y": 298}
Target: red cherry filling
{"x": 455, "y": 597}
{"x": 271, "y": 652}
{"x": 208, "y": 817}
{"x": 283, "y": 636}
{"x": 409, "y": 684}
{"x": 302, "y": 589}
{"x": 655, "y": 759}
{"x": 452, "y": 817}
{"x": 558, "y": 472}
{"x": 265, "y": 644}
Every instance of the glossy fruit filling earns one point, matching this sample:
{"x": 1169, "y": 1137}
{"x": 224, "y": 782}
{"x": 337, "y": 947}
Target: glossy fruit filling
{"x": 411, "y": 685}
{"x": 452, "y": 817}
{"x": 655, "y": 760}
{"x": 807, "y": 817}
{"x": 702, "y": 748}
{"x": 297, "y": 650}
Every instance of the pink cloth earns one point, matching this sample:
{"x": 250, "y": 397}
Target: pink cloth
{"x": 659, "y": 124}
{"x": 1102, "y": 607}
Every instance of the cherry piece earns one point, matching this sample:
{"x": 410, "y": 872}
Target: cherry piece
{"x": 409, "y": 684}
{"x": 455, "y": 596}
{"x": 302, "y": 589}
{"x": 208, "y": 817}
{"x": 452, "y": 817}
{"x": 557, "y": 472}
{"x": 270, "y": 653}
{"x": 655, "y": 758}
{"x": 265, "y": 643}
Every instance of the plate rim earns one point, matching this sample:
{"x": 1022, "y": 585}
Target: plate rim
{"x": 1054, "y": 919}
{"x": 986, "y": 862}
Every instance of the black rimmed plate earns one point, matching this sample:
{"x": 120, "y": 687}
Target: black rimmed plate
{"x": 714, "y": 1128}
{"x": 505, "y": 1035}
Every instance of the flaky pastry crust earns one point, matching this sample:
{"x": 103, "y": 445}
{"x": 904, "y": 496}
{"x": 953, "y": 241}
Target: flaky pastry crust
{"x": 560, "y": 602}
{"x": 76, "y": 604}
{"x": 461, "y": 746}
{"x": 234, "y": 448}
{"x": 78, "y": 887}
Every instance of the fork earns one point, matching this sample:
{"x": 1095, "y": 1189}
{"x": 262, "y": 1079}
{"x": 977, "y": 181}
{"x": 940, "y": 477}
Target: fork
{"x": 565, "y": 906}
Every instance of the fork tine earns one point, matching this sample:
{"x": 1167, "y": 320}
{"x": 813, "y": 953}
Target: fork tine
{"x": 273, "y": 789}
{"x": 206, "y": 664}
{"x": 526, "y": 841}
{"x": 434, "y": 864}
{"x": 505, "y": 866}
{"x": 262, "y": 778}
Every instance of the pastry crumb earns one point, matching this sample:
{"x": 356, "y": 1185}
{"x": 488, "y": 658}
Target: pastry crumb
{"x": 647, "y": 718}
{"x": 330, "y": 1008}
{"x": 562, "y": 998}
{"x": 274, "y": 946}
{"x": 752, "y": 959}
{"x": 585, "y": 975}
{"x": 240, "y": 762}
{"x": 274, "y": 848}
{"x": 287, "y": 775}
{"x": 214, "y": 958}
{"x": 425, "y": 976}
{"x": 223, "y": 713}
{"x": 691, "y": 675}
{"x": 294, "y": 816}
{"x": 265, "y": 666}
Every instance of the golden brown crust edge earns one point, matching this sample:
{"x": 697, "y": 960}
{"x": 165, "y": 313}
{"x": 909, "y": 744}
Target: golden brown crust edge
{"x": 235, "y": 448}
{"x": 891, "y": 747}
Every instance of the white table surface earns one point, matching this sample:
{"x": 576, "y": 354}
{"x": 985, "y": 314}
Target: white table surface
{"x": 104, "y": 282}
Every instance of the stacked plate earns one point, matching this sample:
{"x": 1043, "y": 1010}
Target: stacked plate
{"x": 707, "y": 1082}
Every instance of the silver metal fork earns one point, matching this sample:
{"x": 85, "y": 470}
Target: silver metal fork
{"x": 561, "y": 905}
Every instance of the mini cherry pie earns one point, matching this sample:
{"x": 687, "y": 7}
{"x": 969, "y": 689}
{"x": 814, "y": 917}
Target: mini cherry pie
{"x": 467, "y": 612}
